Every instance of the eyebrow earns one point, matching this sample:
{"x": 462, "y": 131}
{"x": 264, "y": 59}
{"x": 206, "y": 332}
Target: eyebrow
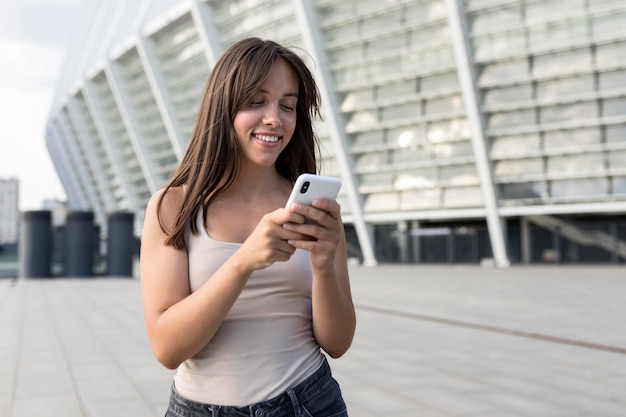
{"x": 291, "y": 94}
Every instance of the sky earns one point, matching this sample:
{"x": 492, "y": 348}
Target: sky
{"x": 34, "y": 35}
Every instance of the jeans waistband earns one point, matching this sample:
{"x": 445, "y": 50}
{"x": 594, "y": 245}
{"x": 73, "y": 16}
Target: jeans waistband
{"x": 284, "y": 404}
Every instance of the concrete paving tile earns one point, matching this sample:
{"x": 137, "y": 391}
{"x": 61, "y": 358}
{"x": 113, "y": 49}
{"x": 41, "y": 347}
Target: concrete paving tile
{"x": 47, "y": 406}
{"x": 110, "y": 408}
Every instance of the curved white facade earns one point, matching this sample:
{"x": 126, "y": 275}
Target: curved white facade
{"x": 443, "y": 117}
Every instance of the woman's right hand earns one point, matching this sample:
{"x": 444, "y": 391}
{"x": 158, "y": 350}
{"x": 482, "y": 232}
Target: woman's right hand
{"x": 268, "y": 241}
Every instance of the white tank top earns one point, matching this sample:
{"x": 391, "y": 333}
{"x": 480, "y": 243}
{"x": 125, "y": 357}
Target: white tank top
{"x": 265, "y": 345}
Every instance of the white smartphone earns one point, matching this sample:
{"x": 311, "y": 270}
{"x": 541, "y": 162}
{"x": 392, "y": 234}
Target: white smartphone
{"x": 309, "y": 187}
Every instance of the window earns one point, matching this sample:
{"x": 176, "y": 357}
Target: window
{"x": 576, "y": 164}
{"x": 518, "y": 167}
{"x": 562, "y": 62}
{"x": 572, "y": 138}
{"x": 444, "y": 81}
{"x": 614, "y": 107}
{"x": 512, "y": 119}
{"x": 579, "y": 188}
{"x": 420, "y": 199}
{"x": 396, "y": 90}
{"x": 613, "y": 80}
{"x": 400, "y": 112}
{"x": 508, "y": 146}
{"x": 508, "y": 94}
{"x": 522, "y": 190}
{"x": 564, "y": 87}
{"x": 568, "y": 112}
{"x": 462, "y": 197}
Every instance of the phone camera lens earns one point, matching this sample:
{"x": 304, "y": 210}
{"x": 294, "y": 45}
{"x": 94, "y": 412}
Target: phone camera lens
{"x": 305, "y": 187}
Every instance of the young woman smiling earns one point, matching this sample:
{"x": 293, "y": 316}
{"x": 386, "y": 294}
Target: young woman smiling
{"x": 242, "y": 296}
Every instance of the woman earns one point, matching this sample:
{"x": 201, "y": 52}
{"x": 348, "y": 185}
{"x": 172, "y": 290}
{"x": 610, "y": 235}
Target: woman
{"x": 239, "y": 292}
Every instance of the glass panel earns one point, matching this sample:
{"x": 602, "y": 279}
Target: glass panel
{"x": 395, "y": 90}
{"x": 371, "y": 160}
{"x": 541, "y": 9}
{"x": 386, "y": 44}
{"x": 512, "y": 119}
{"x": 382, "y": 21}
{"x": 428, "y": 33}
{"x": 614, "y": 107}
{"x": 362, "y": 120}
{"x": 565, "y": 87}
{"x": 439, "y": 81}
{"x": 493, "y": 73}
{"x": 568, "y": 112}
{"x": 576, "y": 164}
{"x": 523, "y": 190}
{"x": 619, "y": 185}
{"x": 399, "y": 156}
{"x": 518, "y": 167}
{"x": 485, "y": 21}
{"x": 368, "y": 138}
{"x": 448, "y": 130}
{"x": 420, "y": 199}
{"x": 580, "y": 187}
{"x": 462, "y": 197}
{"x": 507, "y": 146}
{"x": 557, "y": 32}
{"x": 417, "y": 178}
{"x": 612, "y": 53}
{"x": 441, "y": 105}
{"x": 616, "y": 134}
{"x": 381, "y": 202}
{"x": 356, "y": 98}
{"x": 349, "y": 54}
{"x": 425, "y": 10}
{"x": 376, "y": 180}
{"x": 613, "y": 22}
{"x": 572, "y": 138}
{"x": 458, "y": 174}
{"x": 405, "y": 111}
{"x": 617, "y": 160}
{"x": 498, "y": 45}
{"x": 347, "y": 30}
{"x": 613, "y": 80}
{"x": 508, "y": 94}
{"x": 562, "y": 62}
{"x": 406, "y": 136}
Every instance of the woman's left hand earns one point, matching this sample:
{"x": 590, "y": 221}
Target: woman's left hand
{"x": 325, "y": 231}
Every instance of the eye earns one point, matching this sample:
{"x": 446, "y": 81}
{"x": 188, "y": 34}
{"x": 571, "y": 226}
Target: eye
{"x": 288, "y": 108}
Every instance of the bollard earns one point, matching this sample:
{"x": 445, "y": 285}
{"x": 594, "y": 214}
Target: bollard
{"x": 120, "y": 244}
{"x": 79, "y": 244}
{"x": 35, "y": 244}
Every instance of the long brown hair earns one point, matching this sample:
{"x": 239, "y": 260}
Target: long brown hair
{"x": 211, "y": 162}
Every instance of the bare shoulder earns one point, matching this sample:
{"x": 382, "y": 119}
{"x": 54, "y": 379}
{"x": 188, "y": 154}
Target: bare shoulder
{"x": 167, "y": 203}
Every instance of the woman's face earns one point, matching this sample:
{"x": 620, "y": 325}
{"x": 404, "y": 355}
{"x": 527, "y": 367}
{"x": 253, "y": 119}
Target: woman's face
{"x": 265, "y": 126}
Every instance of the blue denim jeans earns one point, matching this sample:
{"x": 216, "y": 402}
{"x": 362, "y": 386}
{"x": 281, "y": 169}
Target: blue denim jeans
{"x": 317, "y": 396}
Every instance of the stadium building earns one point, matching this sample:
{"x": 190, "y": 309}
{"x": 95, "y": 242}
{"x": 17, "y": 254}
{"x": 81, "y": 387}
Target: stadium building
{"x": 465, "y": 131}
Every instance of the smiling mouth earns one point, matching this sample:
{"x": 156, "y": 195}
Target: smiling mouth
{"x": 266, "y": 138}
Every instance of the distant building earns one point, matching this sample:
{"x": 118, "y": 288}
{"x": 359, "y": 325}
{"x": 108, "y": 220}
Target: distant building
{"x": 465, "y": 131}
{"x": 9, "y": 210}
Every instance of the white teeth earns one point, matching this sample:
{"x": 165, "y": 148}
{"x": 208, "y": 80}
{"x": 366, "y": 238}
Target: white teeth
{"x": 267, "y": 138}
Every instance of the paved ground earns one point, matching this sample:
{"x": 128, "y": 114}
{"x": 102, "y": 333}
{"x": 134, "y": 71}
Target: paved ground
{"x": 431, "y": 342}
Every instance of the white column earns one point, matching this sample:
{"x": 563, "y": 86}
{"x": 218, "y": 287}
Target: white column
{"x": 203, "y": 21}
{"x": 104, "y": 133}
{"x": 306, "y": 16}
{"x": 467, "y": 80}
{"x": 131, "y": 124}
{"x": 63, "y": 165}
{"x": 78, "y": 119}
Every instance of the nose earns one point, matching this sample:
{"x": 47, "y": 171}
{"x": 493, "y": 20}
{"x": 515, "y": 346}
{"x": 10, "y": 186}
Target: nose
{"x": 272, "y": 116}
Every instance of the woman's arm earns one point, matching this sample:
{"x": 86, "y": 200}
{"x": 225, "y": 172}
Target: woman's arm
{"x": 180, "y": 323}
{"x": 334, "y": 318}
